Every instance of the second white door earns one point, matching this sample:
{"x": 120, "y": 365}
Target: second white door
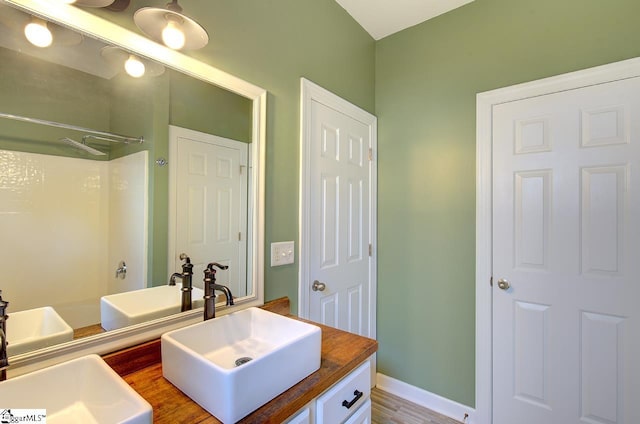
{"x": 566, "y": 237}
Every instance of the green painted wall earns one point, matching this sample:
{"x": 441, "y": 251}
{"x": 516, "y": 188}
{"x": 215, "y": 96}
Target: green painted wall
{"x": 204, "y": 107}
{"x": 36, "y": 89}
{"x": 427, "y": 78}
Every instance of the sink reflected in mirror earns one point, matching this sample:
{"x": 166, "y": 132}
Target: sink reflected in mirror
{"x": 36, "y": 329}
{"x": 234, "y": 364}
{"x": 138, "y": 306}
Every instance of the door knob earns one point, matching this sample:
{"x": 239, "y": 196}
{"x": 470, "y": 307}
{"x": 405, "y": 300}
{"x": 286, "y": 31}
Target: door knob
{"x": 503, "y": 284}
{"x": 318, "y": 286}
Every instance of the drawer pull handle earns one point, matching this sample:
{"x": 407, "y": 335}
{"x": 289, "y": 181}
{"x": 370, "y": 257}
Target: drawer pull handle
{"x": 358, "y": 394}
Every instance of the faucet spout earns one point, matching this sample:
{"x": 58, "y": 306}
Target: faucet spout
{"x": 226, "y": 291}
{"x": 172, "y": 279}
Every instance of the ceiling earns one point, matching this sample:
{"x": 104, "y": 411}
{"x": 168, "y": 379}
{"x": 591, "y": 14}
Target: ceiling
{"x": 385, "y": 17}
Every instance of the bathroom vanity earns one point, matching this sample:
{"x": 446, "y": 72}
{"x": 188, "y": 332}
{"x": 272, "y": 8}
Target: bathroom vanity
{"x": 318, "y": 398}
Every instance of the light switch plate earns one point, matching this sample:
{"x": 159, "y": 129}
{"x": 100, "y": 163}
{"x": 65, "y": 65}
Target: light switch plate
{"x": 282, "y": 253}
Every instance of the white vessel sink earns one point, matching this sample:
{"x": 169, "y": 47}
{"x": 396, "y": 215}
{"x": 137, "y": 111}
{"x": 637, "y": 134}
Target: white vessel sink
{"x": 201, "y": 360}
{"x": 138, "y": 306}
{"x": 84, "y": 390}
{"x": 35, "y": 329}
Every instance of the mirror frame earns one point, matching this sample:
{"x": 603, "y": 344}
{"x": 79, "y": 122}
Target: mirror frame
{"x": 113, "y": 34}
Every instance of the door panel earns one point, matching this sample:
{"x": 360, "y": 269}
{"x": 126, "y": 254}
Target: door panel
{"x": 339, "y": 219}
{"x": 566, "y": 232}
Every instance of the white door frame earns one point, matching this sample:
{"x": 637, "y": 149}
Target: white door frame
{"x": 484, "y": 243}
{"x": 312, "y": 92}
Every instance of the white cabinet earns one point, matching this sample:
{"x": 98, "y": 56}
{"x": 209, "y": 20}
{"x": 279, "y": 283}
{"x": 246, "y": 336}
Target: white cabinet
{"x": 348, "y": 401}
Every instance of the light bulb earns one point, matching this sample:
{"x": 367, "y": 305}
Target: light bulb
{"x": 134, "y": 66}
{"x": 37, "y": 33}
{"x": 172, "y": 35}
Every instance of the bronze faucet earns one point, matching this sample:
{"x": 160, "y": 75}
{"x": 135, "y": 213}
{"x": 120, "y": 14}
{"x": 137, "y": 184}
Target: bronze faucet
{"x": 210, "y": 287}
{"x": 187, "y": 285}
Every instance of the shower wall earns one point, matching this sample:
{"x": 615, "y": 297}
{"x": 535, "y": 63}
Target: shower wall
{"x": 128, "y": 203}
{"x": 62, "y": 220}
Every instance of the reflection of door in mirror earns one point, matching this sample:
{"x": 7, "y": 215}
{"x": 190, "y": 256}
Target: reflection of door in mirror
{"x": 209, "y": 179}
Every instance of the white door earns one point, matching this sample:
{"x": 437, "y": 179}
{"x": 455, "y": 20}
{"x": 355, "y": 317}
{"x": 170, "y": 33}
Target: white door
{"x": 566, "y": 237}
{"x": 338, "y": 220}
{"x": 210, "y": 204}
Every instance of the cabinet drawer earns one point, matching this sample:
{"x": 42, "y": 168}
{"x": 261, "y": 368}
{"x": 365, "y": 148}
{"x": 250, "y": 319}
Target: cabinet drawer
{"x": 345, "y": 397}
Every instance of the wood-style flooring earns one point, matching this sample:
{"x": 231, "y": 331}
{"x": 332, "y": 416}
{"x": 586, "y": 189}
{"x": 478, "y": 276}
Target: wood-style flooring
{"x": 390, "y": 409}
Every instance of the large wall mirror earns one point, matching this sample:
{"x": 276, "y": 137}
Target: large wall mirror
{"x": 100, "y": 184}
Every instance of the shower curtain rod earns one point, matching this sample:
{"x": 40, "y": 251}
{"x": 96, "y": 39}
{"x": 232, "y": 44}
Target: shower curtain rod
{"x": 109, "y": 136}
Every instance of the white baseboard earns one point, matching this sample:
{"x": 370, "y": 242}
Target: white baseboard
{"x": 424, "y": 398}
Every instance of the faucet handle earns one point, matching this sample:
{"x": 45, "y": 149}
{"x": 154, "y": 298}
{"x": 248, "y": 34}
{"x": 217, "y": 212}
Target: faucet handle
{"x": 187, "y": 266}
{"x": 217, "y": 265}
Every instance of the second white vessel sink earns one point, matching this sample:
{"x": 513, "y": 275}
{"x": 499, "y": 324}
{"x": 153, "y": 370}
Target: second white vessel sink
{"x": 234, "y": 364}
{"x": 84, "y": 391}
{"x": 138, "y": 306}
{"x": 35, "y": 329}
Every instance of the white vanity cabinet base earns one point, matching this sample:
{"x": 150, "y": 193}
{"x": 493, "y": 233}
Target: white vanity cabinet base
{"x": 329, "y": 408}
{"x": 329, "y": 405}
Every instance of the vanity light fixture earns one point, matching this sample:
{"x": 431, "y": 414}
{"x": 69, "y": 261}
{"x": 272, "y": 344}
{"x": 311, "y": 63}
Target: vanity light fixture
{"x": 134, "y": 66}
{"x": 38, "y": 33}
{"x": 170, "y": 27}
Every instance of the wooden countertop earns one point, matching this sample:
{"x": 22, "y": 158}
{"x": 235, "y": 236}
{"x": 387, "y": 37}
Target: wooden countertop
{"x": 141, "y": 367}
